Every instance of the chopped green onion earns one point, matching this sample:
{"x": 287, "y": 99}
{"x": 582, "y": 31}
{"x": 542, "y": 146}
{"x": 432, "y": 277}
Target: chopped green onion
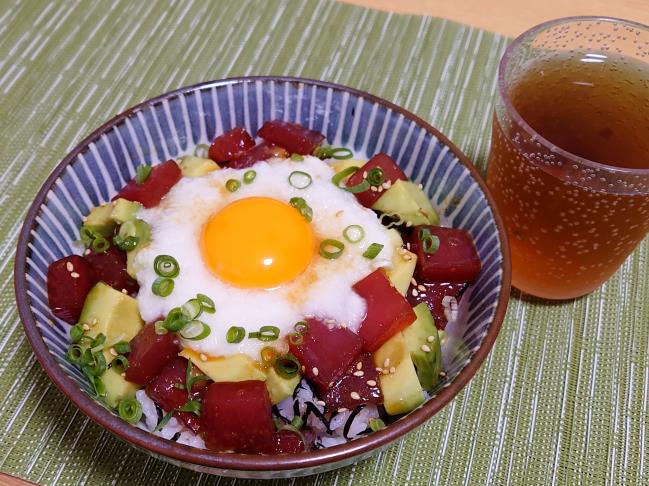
{"x": 295, "y": 338}
{"x": 325, "y": 248}
{"x": 142, "y": 173}
{"x": 126, "y": 243}
{"x": 195, "y": 379}
{"x": 232, "y": 185}
{"x": 299, "y": 179}
{"x": 354, "y": 233}
{"x": 301, "y": 327}
{"x": 166, "y": 266}
{"x": 375, "y": 176}
{"x": 235, "y": 334}
{"x": 287, "y": 366}
{"x": 297, "y": 158}
{"x": 301, "y": 205}
{"x": 119, "y": 363}
{"x": 297, "y": 422}
{"x": 135, "y": 227}
{"x": 175, "y": 320}
{"x": 195, "y": 330}
{"x": 98, "y": 343}
{"x": 76, "y": 333}
{"x": 100, "y": 244}
{"x": 201, "y": 150}
{"x": 372, "y": 251}
{"x": 249, "y": 176}
{"x": 430, "y": 244}
{"x": 87, "y": 235}
{"x": 95, "y": 363}
{"x": 265, "y": 333}
{"x": 159, "y": 328}
{"x": 122, "y": 347}
{"x": 74, "y": 354}
{"x": 99, "y": 386}
{"x": 162, "y": 286}
{"x": 376, "y": 424}
{"x": 165, "y": 420}
{"x": 340, "y": 176}
{"x": 268, "y": 355}
{"x": 340, "y": 153}
{"x": 192, "y": 308}
{"x": 192, "y": 406}
{"x": 130, "y": 410}
{"x": 206, "y": 303}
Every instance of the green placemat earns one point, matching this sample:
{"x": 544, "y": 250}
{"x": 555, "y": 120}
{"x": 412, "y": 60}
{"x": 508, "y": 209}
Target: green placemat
{"x": 562, "y": 398}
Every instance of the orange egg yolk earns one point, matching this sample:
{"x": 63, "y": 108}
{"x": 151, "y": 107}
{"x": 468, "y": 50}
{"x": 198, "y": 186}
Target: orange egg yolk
{"x": 257, "y": 242}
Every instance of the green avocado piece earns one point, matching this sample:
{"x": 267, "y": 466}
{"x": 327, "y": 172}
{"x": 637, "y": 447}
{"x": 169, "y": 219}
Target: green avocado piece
{"x": 123, "y": 210}
{"x": 400, "y": 386}
{"x": 131, "y": 267}
{"x": 340, "y": 165}
{"x": 117, "y": 388}
{"x": 407, "y": 200}
{"x": 403, "y": 264}
{"x": 423, "y": 343}
{"x": 197, "y": 166}
{"x": 99, "y": 219}
{"x": 280, "y": 388}
{"x": 138, "y": 228}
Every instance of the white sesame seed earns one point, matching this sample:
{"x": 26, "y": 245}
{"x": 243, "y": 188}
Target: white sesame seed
{"x": 303, "y": 368}
{"x": 413, "y": 281}
{"x": 342, "y": 409}
{"x": 320, "y": 403}
{"x": 113, "y": 352}
{"x": 355, "y": 396}
{"x": 87, "y": 252}
{"x": 359, "y": 365}
{"x": 85, "y": 327}
{"x": 359, "y": 373}
{"x": 425, "y": 348}
{"x": 379, "y": 369}
{"x": 69, "y": 267}
{"x": 203, "y": 357}
{"x": 393, "y": 370}
{"x": 74, "y": 275}
{"x": 408, "y": 246}
{"x": 373, "y": 188}
{"x": 124, "y": 291}
{"x": 430, "y": 339}
{"x": 386, "y": 363}
{"x": 371, "y": 382}
{"x": 385, "y": 185}
{"x": 442, "y": 374}
{"x": 94, "y": 322}
{"x": 408, "y": 224}
{"x": 315, "y": 371}
{"x": 365, "y": 174}
{"x": 415, "y": 293}
{"x": 421, "y": 186}
{"x": 421, "y": 288}
{"x": 123, "y": 375}
{"x": 379, "y": 189}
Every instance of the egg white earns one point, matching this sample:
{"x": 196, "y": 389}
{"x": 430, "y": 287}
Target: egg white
{"x": 324, "y": 290}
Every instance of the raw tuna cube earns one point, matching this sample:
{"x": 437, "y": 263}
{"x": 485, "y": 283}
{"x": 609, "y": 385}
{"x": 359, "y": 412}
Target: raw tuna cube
{"x": 293, "y": 137}
{"x": 163, "y": 390}
{"x": 391, "y": 173}
{"x": 456, "y": 260}
{"x": 150, "y": 353}
{"x": 110, "y": 268}
{"x": 434, "y": 297}
{"x": 388, "y": 312}
{"x": 260, "y": 152}
{"x": 287, "y": 442}
{"x": 68, "y": 282}
{"x": 359, "y": 385}
{"x": 161, "y": 179}
{"x": 237, "y": 417}
{"x": 326, "y": 353}
{"x": 230, "y": 145}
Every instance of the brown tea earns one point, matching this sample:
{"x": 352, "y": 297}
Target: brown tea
{"x": 566, "y": 237}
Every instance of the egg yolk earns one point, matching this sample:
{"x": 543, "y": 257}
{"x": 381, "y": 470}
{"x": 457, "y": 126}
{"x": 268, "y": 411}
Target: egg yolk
{"x": 257, "y": 242}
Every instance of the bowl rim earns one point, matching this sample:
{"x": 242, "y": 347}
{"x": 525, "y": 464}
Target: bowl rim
{"x": 234, "y": 461}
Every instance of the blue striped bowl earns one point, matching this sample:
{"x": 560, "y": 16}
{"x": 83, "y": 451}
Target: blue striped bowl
{"x": 171, "y": 125}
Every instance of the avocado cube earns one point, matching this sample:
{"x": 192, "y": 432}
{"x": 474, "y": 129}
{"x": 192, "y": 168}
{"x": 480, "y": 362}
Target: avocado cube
{"x": 403, "y": 264}
{"x": 400, "y": 386}
{"x": 111, "y": 313}
{"x": 236, "y": 367}
{"x": 117, "y": 388}
{"x": 123, "y": 210}
{"x": 280, "y": 388}
{"x": 423, "y": 343}
{"x": 340, "y": 165}
{"x": 99, "y": 219}
{"x": 197, "y": 166}
{"x": 406, "y": 199}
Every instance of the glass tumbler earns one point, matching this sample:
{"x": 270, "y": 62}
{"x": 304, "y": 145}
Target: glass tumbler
{"x": 568, "y": 168}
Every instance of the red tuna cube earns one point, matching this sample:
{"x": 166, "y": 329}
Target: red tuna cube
{"x": 68, "y": 282}
{"x": 359, "y": 385}
{"x": 161, "y": 179}
{"x": 150, "y": 353}
{"x": 391, "y": 173}
{"x": 230, "y": 145}
{"x": 293, "y": 137}
{"x": 110, "y": 268}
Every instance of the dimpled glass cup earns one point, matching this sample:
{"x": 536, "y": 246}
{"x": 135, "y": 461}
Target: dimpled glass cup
{"x": 571, "y": 221}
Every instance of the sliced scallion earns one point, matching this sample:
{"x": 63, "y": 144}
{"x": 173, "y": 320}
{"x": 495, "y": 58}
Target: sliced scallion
{"x": 160, "y": 328}
{"x": 301, "y": 327}
{"x": 295, "y": 338}
{"x": 343, "y": 174}
{"x": 76, "y": 333}
{"x": 175, "y": 320}
{"x": 130, "y": 410}
{"x": 192, "y": 308}
{"x": 142, "y": 173}
{"x": 162, "y": 286}
{"x": 297, "y": 158}
{"x": 372, "y": 251}
{"x": 206, "y": 303}
{"x": 301, "y": 205}
{"x": 297, "y": 422}
{"x": 195, "y": 330}
{"x": 127, "y": 243}
{"x": 201, "y": 150}
{"x": 299, "y": 179}
{"x": 74, "y": 354}
{"x": 166, "y": 266}
{"x": 354, "y": 233}
{"x": 249, "y": 176}
{"x": 376, "y": 424}
{"x": 165, "y": 420}
{"x": 100, "y": 244}
{"x": 265, "y": 333}
{"x": 375, "y": 176}
{"x": 287, "y": 366}
{"x": 235, "y": 334}
{"x": 119, "y": 363}
{"x": 192, "y": 406}
{"x": 232, "y": 185}
{"x": 122, "y": 347}
{"x": 339, "y": 153}
{"x": 430, "y": 244}
{"x": 331, "y": 249}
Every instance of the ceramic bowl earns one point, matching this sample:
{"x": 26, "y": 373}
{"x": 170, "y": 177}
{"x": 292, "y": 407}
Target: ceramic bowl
{"x": 171, "y": 125}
